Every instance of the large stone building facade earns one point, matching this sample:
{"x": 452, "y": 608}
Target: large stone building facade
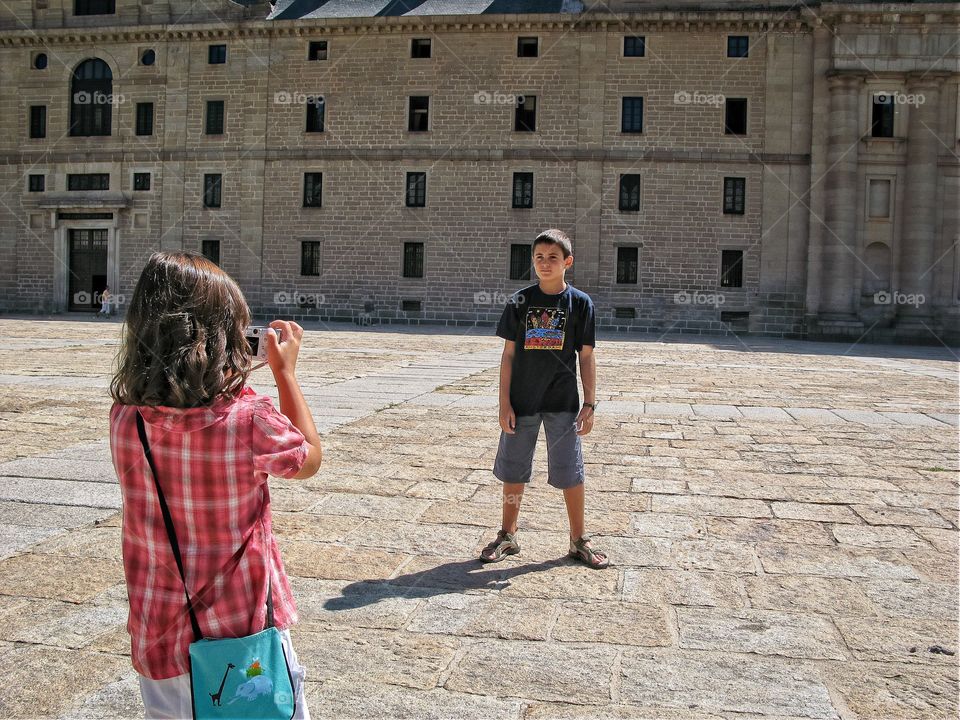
{"x": 777, "y": 168}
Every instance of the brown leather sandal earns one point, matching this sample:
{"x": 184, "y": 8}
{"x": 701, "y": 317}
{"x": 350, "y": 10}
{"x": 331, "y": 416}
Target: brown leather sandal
{"x": 592, "y": 558}
{"x": 505, "y": 544}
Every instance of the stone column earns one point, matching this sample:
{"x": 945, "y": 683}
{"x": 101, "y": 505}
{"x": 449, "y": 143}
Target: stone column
{"x": 840, "y": 240}
{"x": 918, "y": 243}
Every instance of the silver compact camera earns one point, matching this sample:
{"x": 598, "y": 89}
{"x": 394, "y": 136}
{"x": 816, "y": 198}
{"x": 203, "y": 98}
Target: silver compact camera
{"x": 257, "y": 337}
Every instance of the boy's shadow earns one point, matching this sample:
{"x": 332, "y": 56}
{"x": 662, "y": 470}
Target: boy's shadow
{"x": 444, "y": 579}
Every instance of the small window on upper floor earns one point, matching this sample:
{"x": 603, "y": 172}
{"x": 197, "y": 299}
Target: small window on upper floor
{"x": 94, "y": 7}
{"x": 528, "y": 47}
{"x": 217, "y": 54}
{"x": 420, "y": 48}
{"x": 634, "y": 46}
{"x": 317, "y": 50}
{"x": 738, "y": 46}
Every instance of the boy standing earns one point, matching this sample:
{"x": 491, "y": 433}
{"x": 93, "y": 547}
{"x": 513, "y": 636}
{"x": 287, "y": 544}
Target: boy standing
{"x": 544, "y": 327}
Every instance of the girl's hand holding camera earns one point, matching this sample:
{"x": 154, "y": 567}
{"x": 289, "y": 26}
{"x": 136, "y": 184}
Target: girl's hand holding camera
{"x": 282, "y": 354}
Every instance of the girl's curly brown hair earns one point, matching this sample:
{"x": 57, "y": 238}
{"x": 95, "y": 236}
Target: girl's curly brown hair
{"x": 183, "y": 343}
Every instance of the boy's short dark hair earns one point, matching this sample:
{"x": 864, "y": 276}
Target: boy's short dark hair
{"x": 558, "y": 238}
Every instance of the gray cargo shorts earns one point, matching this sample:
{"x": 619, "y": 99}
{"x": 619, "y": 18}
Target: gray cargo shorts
{"x": 514, "y": 463}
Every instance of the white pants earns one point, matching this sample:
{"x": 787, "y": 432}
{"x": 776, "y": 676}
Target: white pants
{"x": 169, "y": 699}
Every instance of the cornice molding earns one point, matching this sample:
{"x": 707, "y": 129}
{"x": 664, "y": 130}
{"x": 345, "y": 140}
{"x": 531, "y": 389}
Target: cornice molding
{"x": 660, "y": 21}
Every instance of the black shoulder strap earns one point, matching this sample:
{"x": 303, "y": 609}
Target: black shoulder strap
{"x": 168, "y": 521}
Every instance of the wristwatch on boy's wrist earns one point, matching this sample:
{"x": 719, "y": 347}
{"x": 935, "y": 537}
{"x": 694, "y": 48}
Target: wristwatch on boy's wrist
{"x": 592, "y": 406}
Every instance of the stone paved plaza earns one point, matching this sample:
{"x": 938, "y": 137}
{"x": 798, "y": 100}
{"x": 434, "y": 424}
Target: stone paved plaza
{"x": 782, "y": 517}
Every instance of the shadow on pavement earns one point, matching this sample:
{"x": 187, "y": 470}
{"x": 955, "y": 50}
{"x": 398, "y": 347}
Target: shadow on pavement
{"x": 441, "y": 580}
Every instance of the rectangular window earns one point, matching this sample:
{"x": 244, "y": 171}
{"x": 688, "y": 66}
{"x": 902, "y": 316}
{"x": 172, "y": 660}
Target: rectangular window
{"x": 89, "y": 181}
{"x": 141, "y": 181}
{"x": 523, "y": 190}
{"x": 210, "y": 249}
{"x": 38, "y": 121}
{"x": 881, "y": 124}
{"x": 217, "y": 54}
{"x": 734, "y": 195}
{"x": 735, "y": 116}
{"x": 420, "y": 48}
{"x": 731, "y": 268}
{"x": 634, "y": 46}
{"x": 525, "y": 119}
{"x": 528, "y": 47}
{"x": 738, "y": 46}
{"x": 411, "y": 305}
{"x": 144, "y": 119}
{"x": 317, "y": 50}
{"x": 310, "y": 257}
{"x": 37, "y": 183}
{"x": 94, "y": 7}
{"x": 316, "y": 109}
{"x": 413, "y": 259}
{"x": 419, "y": 119}
{"x": 629, "y": 193}
{"x": 214, "y": 124}
{"x": 212, "y": 184}
{"x": 313, "y": 189}
{"x": 416, "y": 189}
{"x": 627, "y": 260}
{"x": 520, "y": 262}
{"x": 632, "y": 115}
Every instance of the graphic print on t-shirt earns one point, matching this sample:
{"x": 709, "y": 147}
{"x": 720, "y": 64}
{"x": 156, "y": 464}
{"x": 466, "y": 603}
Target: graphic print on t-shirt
{"x": 544, "y": 329}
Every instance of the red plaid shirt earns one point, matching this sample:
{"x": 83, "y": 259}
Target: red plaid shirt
{"x": 213, "y": 464}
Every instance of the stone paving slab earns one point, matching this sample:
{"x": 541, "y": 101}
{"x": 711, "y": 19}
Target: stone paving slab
{"x": 782, "y": 519}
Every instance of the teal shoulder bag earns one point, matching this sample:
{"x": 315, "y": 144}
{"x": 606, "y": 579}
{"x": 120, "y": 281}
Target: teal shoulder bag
{"x": 231, "y": 678}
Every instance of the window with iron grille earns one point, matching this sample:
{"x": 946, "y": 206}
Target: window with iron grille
{"x": 217, "y": 54}
{"x": 37, "y": 183}
{"x": 210, "y": 249}
{"x": 525, "y": 119}
{"x": 313, "y": 189}
{"x": 214, "y": 117}
{"x": 731, "y": 268}
{"x": 738, "y": 46}
{"x": 310, "y": 257}
{"x": 38, "y": 121}
{"x": 627, "y": 261}
{"x": 881, "y": 124}
{"x": 632, "y": 116}
{"x": 88, "y": 181}
{"x": 94, "y": 7}
{"x": 735, "y": 116}
{"x": 212, "y": 184}
{"x": 520, "y": 262}
{"x": 634, "y": 46}
{"x": 141, "y": 181}
{"x": 91, "y": 99}
{"x": 528, "y": 47}
{"x": 416, "y": 189}
{"x": 419, "y": 120}
{"x": 317, "y": 50}
{"x": 413, "y": 259}
{"x": 523, "y": 189}
{"x": 144, "y": 124}
{"x": 316, "y": 110}
{"x": 734, "y": 195}
{"x": 629, "y": 193}
{"x": 420, "y": 48}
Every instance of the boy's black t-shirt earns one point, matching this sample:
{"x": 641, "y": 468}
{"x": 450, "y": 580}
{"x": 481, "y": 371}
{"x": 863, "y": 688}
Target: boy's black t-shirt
{"x": 548, "y": 331}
